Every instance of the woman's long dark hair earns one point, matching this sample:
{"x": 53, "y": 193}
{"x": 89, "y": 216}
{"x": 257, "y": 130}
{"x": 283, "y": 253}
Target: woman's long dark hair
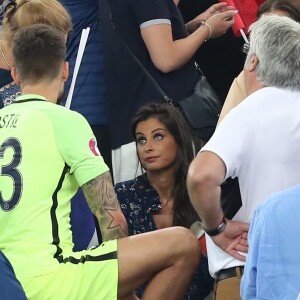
{"x": 291, "y": 7}
{"x": 184, "y": 213}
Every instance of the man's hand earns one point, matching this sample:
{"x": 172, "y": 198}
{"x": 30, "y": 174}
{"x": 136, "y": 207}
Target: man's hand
{"x": 233, "y": 239}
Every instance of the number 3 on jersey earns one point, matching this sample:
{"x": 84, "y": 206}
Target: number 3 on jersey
{"x": 10, "y": 170}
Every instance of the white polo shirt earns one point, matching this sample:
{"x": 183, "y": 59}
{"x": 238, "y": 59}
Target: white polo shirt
{"x": 259, "y": 142}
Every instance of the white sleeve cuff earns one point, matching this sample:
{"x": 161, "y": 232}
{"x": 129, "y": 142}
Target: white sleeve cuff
{"x": 155, "y": 22}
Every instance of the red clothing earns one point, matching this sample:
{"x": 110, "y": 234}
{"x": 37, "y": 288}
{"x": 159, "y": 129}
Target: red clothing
{"x": 247, "y": 13}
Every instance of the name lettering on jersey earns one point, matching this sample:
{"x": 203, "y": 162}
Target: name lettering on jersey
{"x": 9, "y": 121}
{"x": 93, "y": 147}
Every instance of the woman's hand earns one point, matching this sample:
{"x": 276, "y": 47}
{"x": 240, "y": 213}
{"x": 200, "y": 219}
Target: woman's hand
{"x": 214, "y": 9}
{"x": 221, "y": 22}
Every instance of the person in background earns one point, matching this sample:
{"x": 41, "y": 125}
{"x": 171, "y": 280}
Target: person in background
{"x": 274, "y": 248}
{"x": 238, "y": 92}
{"x": 35, "y": 204}
{"x": 24, "y": 13}
{"x": 89, "y": 99}
{"x": 158, "y": 198}
{"x": 155, "y": 32}
{"x": 5, "y": 77}
{"x": 245, "y": 145}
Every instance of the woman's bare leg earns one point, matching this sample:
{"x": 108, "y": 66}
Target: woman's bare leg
{"x": 166, "y": 258}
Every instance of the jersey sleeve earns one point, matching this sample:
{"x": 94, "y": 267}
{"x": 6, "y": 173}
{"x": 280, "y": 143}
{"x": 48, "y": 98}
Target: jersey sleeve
{"x": 232, "y": 142}
{"x": 78, "y": 147}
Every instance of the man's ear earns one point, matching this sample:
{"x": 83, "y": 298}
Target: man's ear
{"x": 65, "y": 73}
{"x": 251, "y": 81}
{"x": 15, "y": 75}
{"x": 252, "y": 63}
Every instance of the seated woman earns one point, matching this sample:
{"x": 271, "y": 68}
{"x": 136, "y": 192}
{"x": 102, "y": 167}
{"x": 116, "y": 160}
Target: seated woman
{"x": 159, "y": 198}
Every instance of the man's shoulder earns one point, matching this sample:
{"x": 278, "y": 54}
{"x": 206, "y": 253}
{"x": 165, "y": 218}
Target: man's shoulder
{"x": 264, "y": 102}
{"x": 60, "y": 112}
{"x": 255, "y": 102}
{"x": 270, "y": 93}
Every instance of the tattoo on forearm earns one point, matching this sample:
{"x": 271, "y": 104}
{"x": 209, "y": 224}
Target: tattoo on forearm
{"x": 102, "y": 199}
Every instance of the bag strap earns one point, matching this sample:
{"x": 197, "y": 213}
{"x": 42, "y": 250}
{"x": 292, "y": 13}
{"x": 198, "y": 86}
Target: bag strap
{"x": 150, "y": 77}
{"x": 199, "y": 70}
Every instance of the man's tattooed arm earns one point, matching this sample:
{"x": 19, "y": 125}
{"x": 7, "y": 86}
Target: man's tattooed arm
{"x": 103, "y": 202}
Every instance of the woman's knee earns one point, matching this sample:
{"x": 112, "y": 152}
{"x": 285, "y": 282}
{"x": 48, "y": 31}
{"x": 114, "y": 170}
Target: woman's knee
{"x": 187, "y": 244}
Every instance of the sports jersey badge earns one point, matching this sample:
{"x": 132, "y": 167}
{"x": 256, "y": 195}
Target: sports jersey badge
{"x": 93, "y": 147}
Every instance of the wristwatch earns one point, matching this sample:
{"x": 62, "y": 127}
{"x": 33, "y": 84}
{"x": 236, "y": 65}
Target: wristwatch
{"x": 197, "y": 229}
{"x": 218, "y": 230}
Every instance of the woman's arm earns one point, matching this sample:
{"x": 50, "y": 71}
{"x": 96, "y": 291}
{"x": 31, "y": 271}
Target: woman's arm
{"x": 168, "y": 55}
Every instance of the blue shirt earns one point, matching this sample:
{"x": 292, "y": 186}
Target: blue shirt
{"x": 272, "y": 265}
{"x": 138, "y": 199}
{"x": 89, "y": 93}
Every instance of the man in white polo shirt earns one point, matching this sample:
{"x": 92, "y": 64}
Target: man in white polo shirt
{"x": 258, "y": 142}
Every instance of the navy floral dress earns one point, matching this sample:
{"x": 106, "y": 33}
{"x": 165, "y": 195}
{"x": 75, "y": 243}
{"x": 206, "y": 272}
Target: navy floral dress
{"x": 138, "y": 200}
{"x": 9, "y": 93}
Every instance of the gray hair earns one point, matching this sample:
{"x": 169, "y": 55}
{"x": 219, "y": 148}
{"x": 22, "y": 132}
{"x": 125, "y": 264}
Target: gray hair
{"x": 275, "y": 41}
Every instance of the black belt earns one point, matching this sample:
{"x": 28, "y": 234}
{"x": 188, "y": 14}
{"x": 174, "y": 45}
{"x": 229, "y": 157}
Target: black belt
{"x": 229, "y": 273}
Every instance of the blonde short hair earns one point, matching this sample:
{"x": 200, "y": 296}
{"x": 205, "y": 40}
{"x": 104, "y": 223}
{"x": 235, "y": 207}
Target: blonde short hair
{"x": 24, "y": 13}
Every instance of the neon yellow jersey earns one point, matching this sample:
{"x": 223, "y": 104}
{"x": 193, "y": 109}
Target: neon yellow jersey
{"x": 46, "y": 153}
